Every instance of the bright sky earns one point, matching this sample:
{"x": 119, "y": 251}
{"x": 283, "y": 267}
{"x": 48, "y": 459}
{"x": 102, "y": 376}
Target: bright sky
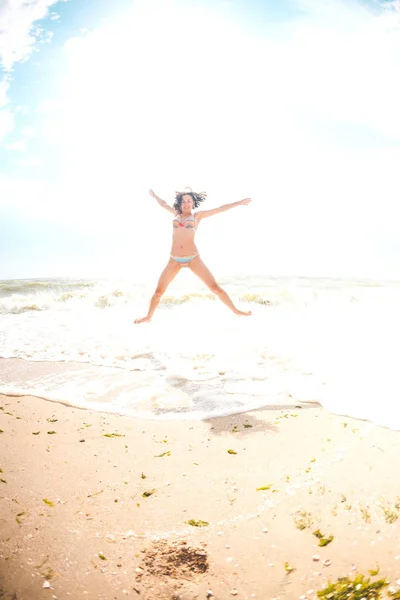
{"x": 294, "y": 103}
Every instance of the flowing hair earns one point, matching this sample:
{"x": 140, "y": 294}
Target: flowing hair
{"x": 197, "y": 199}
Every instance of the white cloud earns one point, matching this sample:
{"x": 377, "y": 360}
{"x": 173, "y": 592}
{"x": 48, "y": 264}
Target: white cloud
{"x": 4, "y": 86}
{"x": 18, "y": 35}
{"x": 29, "y": 161}
{"x": 20, "y": 142}
{"x": 18, "y": 38}
{"x": 6, "y": 117}
{"x": 175, "y": 91}
{"x": 13, "y": 194}
{"x": 172, "y": 94}
{"x": 6, "y": 123}
{"x": 19, "y": 146}
{"x": 344, "y": 59}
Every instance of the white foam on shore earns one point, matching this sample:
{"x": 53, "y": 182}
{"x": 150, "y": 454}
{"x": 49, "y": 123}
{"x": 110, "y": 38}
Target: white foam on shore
{"x": 328, "y": 342}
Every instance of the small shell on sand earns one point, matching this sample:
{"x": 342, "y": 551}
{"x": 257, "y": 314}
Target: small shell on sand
{"x": 327, "y": 562}
{"x": 315, "y": 558}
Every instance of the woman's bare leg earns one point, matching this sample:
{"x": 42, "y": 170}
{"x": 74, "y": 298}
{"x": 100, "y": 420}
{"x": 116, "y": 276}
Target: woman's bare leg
{"x": 200, "y": 269}
{"x": 169, "y": 273}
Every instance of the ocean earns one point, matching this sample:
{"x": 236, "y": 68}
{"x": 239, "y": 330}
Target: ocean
{"x": 326, "y": 341}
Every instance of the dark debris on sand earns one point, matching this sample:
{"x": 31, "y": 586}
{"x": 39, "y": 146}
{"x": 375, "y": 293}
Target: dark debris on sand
{"x": 176, "y": 559}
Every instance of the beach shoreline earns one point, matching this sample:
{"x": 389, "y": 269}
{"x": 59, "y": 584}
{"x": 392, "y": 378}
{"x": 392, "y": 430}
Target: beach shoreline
{"x": 104, "y": 506}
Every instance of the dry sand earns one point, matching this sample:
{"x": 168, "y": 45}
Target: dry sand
{"x": 73, "y": 515}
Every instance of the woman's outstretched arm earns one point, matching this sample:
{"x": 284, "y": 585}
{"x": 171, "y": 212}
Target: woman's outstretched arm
{"x": 162, "y": 202}
{"x": 214, "y": 211}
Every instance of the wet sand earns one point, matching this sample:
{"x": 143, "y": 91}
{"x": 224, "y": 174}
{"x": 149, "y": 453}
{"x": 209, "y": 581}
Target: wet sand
{"x": 102, "y": 506}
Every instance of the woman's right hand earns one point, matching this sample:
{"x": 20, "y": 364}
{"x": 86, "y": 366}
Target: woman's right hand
{"x": 152, "y": 194}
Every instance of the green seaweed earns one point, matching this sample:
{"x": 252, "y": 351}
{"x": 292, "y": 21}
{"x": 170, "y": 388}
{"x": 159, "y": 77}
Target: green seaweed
{"x": 51, "y": 432}
{"x": 303, "y": 519}
{"x": 101, "y": 556}
{"x": 48, "y": 573}
{"x": 366, "y": 515}
{"x": 20, "y": 517}
{"x": 35, "y": 432}
{"x": 374, "y": 572}
{"x": 48, "y": 502}
{"x": 95, "y": 494}
{"x": 52, "y": 420}
{"x": 147, "y": 494}
{"x": 113, "y": 435}
{"x": 357, "y": 589}
{"x": 288, "y": 567}
{"x": 44, "y": 561}
{"x": 167, "y": 453}
{"x": 143, "y": 476}
{"x": 194, "y": 523}
{"x": 231, "y": 451}
{"x": 390, "y": 515}
{"x": 247, "y": 426}
{"x": 1, "y": 471}
{"x": 264, "y": 488}
{"x": 323, "y": 541}
{"x": 1, "y": 431}
{"x": 3, "y": 481}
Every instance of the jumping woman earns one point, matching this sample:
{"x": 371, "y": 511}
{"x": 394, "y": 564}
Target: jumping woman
{"x": 184, "y": 252}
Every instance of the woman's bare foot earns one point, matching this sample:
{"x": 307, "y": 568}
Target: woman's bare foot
{"x": 142, "y": 320}
{"x": 244, "y": 313}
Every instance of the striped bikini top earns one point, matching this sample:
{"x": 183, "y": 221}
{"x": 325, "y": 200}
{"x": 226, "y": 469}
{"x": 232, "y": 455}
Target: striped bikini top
{"x": 189, "y": 223}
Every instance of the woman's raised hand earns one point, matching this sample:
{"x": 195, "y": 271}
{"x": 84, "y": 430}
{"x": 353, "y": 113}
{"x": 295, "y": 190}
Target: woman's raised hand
{"x": 245, "y": 201}
{"x": 152, "y": 194}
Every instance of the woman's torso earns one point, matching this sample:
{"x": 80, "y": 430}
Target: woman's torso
{"x": 184, "y": 230}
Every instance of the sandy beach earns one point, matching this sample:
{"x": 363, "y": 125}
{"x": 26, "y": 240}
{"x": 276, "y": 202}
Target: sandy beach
{"x": 103, "y": 506}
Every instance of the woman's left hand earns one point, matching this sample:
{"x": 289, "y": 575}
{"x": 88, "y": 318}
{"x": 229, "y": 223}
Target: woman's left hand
{"x": 245, "y": 201}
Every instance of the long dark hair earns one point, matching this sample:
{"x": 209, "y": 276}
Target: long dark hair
{"x": 197, "y": 199}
